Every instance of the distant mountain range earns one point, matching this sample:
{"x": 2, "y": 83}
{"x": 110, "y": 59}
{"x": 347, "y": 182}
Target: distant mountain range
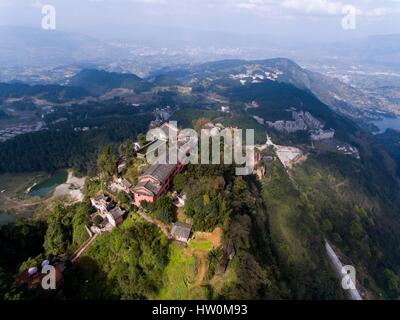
{"x": 100, "y": 81}
{"x": 21, "y": 46}
{"x": 380, "y": 50}
{"x": 334, "y": 93}
{"x": 53, "y": 93}
{"x": 29, "y": 46}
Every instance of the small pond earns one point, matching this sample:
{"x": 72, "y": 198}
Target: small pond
{"x": 6, "y": 218}
{"x": 44, "y": 188}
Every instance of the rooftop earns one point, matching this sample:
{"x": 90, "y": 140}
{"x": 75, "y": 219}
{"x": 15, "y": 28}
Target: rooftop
{"x": 151, "y": 186}
{"x": 181, "y": 230}
{"x": 99, "y": 197}
{"x": 126, "y": 183}
{"x": 160, "y": 171}
{"x": 116, "y": 212}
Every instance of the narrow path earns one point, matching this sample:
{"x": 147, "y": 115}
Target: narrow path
{"x": 82, "y": 248}
{"x": 201, "y": 256}
{"x": 163, "y": 227}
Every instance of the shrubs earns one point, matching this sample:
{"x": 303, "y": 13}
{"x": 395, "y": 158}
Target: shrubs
{"x": 126, "y": 263}
{"x": 65, "y": 227}
{"x": 160, "y": 209}
{"x": 179, "y": 182}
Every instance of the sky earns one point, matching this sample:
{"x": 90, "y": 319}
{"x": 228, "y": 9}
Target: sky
{"x": 318, "y": 20}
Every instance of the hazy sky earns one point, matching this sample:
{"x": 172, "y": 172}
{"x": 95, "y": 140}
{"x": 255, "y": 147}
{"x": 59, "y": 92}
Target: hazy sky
{"x": 303, "y": 19}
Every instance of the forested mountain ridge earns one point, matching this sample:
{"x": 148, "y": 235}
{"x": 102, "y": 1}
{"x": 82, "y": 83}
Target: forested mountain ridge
{"x": 273, "y": 229}
{"x": 52, "y": 93}
{"x": 99, "y": 81}
{"x": 336, "y": 94}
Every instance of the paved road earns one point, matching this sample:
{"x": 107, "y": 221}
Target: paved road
{"x": 354, "y": 294}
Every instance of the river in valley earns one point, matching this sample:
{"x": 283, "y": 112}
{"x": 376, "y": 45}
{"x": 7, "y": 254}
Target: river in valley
{"x": 387, "y": 123}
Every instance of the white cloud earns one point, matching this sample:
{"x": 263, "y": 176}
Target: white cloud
{"x": 149, "y": 1}
{"x": 245, "y": 5}
{"x": 328, "y": 7}
{"x": 377, "y": 12}
{"x": 314, "y": 6}
{"x": 37, "y": 4}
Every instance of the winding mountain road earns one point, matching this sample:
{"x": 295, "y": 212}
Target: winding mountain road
{"x": 354, "y": 294}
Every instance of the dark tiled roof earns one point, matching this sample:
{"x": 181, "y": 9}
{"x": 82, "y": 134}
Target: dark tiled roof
{"x": 153, "y": 187}
{"x": 181, "y": 230}
{"x": 116, "y": 212}
{"x": 160, "y": 172}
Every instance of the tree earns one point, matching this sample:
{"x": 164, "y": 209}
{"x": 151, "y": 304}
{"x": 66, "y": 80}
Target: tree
{"x": 179, "y": 182}
{"x": 8, "y": 290}
{"x": 160, "y": 209}
{"x": 127, "y": 263}
{"x": 106, "y": 162}
{"x": 132, "y": 173}
{"x": 141, "y": 138}
{"x": 19, "y": 241}
{"x": 59, "y": 231}
{"x": 123, "y": 200}
{"x": 92, "y": 187}
{"x": 392, "y": 283}
{"x": 127, "y": 148}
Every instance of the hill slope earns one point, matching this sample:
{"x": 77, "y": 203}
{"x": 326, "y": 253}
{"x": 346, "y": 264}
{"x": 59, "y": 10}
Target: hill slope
{"x": 99, "y": 81}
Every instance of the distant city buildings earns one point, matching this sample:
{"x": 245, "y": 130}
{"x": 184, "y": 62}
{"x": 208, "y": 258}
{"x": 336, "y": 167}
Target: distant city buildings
{"x": 256, "y": 74}
{"x": 13, "y": 131}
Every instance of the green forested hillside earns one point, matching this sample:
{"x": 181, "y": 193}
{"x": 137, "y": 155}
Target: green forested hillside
{"x": 100, "y": 81}
{"x": 273, "y": 229}
{"x": 55, "y": 149}
{"x": 319, "y": 201}
{"x": 53, "y": 93}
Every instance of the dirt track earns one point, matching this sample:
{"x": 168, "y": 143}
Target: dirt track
{"x": 214, "y": 237}
{"x": 201, "y": 273}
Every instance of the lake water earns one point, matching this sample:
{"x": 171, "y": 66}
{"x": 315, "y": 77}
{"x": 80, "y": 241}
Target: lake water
{"x": 386, "y": 123}
{"x": 6, "y": 218}
{"x": 43, "y": 188}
